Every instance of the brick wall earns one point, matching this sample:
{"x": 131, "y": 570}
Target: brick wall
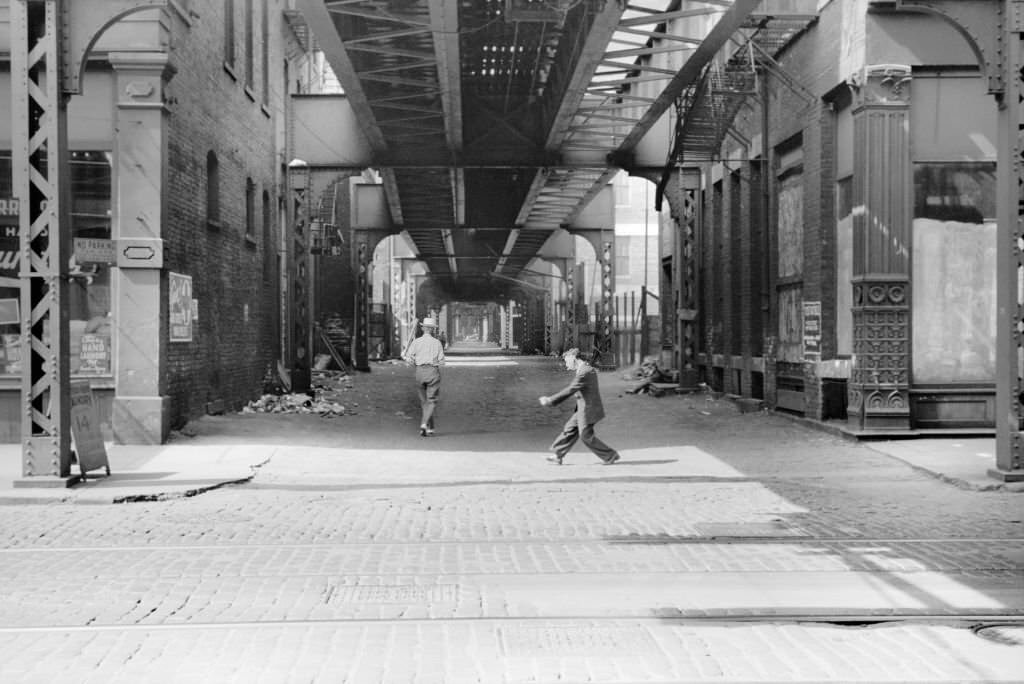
{"x": 210, "y": 109}
{"x": 739, "y": 262}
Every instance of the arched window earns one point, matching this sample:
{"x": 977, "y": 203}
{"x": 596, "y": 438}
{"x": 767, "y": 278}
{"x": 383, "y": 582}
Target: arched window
{"x": 229, "y": 32}
{"x": 250, "y": 209}
{"x": 212, "y": 189}
{"x": 268, "y": 239}
{"x": 250, "y": 47}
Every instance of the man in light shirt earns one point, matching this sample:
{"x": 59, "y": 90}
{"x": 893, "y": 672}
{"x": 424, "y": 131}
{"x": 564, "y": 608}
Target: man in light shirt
{"x": 426, "y": 353}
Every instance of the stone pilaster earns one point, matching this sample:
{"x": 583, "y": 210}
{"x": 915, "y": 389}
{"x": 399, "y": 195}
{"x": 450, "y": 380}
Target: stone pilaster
{"x": 883, "y": 212}
{"x": 141, "y": 410}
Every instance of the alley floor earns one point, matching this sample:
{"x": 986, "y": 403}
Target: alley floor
{"x": 724, "y": 546}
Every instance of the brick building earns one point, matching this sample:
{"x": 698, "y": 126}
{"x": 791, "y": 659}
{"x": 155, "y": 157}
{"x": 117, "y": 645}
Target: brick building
{"x": 179, "y": 146}
{"x": 846, "y": 239}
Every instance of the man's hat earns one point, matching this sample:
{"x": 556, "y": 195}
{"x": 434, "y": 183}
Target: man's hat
{"x": 429, "y": 322}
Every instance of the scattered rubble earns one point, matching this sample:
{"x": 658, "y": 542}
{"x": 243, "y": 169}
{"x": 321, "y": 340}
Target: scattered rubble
{"x": 326, "y": 398}
{"x": 655, "y": 381}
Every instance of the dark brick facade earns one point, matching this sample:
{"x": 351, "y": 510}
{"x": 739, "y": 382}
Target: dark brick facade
{"x": 235, "y": 275}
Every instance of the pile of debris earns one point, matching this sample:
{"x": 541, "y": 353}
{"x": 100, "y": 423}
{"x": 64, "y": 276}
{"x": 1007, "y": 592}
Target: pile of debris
{"x": 654, "y": 380}
{"x": 294, "y": 403}
{"x": 325, "y": 398}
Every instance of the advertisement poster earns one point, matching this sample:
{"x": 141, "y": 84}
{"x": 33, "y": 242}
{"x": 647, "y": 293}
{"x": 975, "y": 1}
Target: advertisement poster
{"x": 812, "y": 330}
{"x": 94, "y": 354}
{"x": 180, "y": 293}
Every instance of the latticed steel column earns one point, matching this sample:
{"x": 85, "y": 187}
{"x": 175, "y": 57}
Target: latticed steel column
{"x": 397, "y": 310}
{"x": 299, "y": 178}
{"x": 38, "y": 156}
{"x": 605, "y": 340}
{"x": 569, "y": 339}
{"x": 687, "y": 307}
{"x": 1010, "y": 267}
{"x": 361, "y": 343}
{"x": 549, "y": 319}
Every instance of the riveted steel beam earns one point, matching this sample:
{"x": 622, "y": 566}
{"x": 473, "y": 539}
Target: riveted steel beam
{"x": 39, "y": 160}
{"x": 1010, "y": 253}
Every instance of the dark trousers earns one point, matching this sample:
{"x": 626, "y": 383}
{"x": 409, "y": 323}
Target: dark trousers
{"x": 428, "y": 385}
{"x": 571, "y": 432}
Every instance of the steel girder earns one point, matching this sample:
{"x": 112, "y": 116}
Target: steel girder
{"x": 654, "y": 50}
{"x": 443, "y": 88}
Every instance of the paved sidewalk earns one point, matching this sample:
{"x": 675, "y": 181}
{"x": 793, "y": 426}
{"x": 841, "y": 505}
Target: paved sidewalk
{"x": 961, "y": 461}
{"x": 189, "y": 466}
{"x": 139, "y": 473}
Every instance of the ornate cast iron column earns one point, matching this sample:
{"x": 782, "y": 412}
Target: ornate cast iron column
{"x": 883, "y": 197}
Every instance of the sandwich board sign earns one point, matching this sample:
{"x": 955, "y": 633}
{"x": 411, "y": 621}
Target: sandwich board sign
{"x": 85, "y": 429}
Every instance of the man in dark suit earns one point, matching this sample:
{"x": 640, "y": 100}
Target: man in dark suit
{"x": 589, "y": 410}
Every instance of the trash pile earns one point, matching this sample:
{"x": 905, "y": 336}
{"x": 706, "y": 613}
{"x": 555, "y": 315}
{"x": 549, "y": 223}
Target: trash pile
{"x": 651, "y": 375}
{"x": 328, "y": 388}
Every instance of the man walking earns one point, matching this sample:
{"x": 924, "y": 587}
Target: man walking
{"x": 426, "y": 353}
{"x": 589, "y": 410}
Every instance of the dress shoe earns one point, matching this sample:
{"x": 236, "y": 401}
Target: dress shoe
{"x": 423, "y": 430}
{"x": 554, "y": 458}
{"x": 430, "y": 432}
{"x": 611, "y": 460}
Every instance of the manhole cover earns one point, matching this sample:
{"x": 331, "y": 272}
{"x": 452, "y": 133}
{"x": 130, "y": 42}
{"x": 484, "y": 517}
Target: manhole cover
{"x": 541, "y": 641}
{"x": 393, "y": 593}
{"x": 775, "y": 528}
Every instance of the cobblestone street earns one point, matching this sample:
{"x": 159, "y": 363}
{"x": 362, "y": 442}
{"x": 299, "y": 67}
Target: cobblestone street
{"x": 722, "y": 547}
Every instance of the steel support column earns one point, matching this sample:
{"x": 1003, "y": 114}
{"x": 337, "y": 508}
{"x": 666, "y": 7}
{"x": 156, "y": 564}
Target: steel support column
{"x": 683, "y": 195}
{"x": 39, "y": 160}
{"x": 366, "y": 242}
{"x": 301, "y": 325}
{"x": 571, "y": 332}
{"x": 549, "y": 315}
{"x": 603, "y": 242}
{"x": 1010, "y": 266}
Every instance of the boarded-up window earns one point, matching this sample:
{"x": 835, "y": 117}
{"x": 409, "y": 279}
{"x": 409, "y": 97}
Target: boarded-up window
{"x": 790, "y": 226}
{"x": 954, "y": 269}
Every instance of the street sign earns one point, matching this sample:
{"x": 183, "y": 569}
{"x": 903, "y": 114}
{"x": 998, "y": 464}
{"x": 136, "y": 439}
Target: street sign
{"x": 85, "y": 429}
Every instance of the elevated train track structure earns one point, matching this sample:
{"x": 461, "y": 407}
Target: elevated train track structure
{"x": 493, "y": 124}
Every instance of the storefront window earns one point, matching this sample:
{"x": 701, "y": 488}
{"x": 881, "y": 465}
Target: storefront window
{"x": 954, "y": 266}
{"x": 90, "y": 263}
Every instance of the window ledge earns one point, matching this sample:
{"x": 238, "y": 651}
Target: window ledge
{"x": 251, "y": 241}
{"x": 249, "y": 93}
{"x": 266, "y": 110}
{"x": 213, "y": 225}
{"x": 229, "y": 68}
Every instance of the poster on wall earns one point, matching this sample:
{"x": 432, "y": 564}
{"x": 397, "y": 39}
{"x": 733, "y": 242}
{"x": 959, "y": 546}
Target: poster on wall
{"x": 812, "y": 330}
{"x": 180, "y": 310}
